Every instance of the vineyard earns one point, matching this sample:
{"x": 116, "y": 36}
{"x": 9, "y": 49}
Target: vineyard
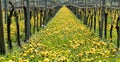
{"x": 59, "y": 31}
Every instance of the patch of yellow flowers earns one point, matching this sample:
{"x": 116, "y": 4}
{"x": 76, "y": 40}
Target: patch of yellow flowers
{"x": 65, "y": 39}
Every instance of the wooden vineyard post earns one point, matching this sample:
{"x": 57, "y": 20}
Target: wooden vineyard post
{"x": 37, "y": 13}
{"x": 41, "y": 14}
{"x": 9, "y": 24}
{"x": 17, "y": 24}
{"x": 37, "y": 18}
{"x": 118, "y": 28}
{"x": 47, "y": 17}
{"x": 2, "y": 43}
{"x": 85, "y": 19}
{"x": 17, "y": 28}
{"x": 119, "y": 21}
{"x": 45, "y": 14}
{"x": 112, "y": 22}
{"x": 95, "y": 16}
{"x": 34, "y": 16}
{"x": 91, "y": 21}
{"x": 118, "y": 31}
{"x": 105, "y": 29}
{"x": 99, "y": 21}
{"x": 102, "y": 18}
{"x": 5, "y": 8}
{"x": 41, "y": 17}
{"x": 27, "y": 20}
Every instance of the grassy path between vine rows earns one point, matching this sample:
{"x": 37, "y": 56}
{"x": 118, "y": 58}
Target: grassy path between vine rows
{"x": 65, "y": 39}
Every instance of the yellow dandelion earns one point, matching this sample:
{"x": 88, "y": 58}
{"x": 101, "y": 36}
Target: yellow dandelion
{"x": 13, "y": 57}
{"x": 20, "y": 60}
{"x": 100, "y": 61}
{"x": 114, "y": 50}
{"x": 24, "y": 54}
{"x": 30, "y": 45}
{"x": 26, "y": 60}
{"x": 36, "y": 51}
{"x": 46, "y": 60}
{"x": 32, "y": 56}
{"x": 39, "y": 61}
{"x": 10, "y": 61}
{"x": 80, "y": 54}
{"x": 2, "y": 58}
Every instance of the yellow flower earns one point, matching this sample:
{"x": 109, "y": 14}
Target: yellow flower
{"x": 92, "y": 49}
{"x": 24, "y": 47}
{"x": 53, "y": 56}
{"x": 31, "y": 50}
{"x": 2, "y": 58}
{"x": 36, "y": 51}
{"x": 90, "y": 59}
{"x": 68, "y": 51}
{"x": 100, "y": 61}
{"x": 46, "y": 60}
{"x": 63, "y": 59}
{"x": 103, "y": 43}
{"x": 107, "y": 52}
{"x": 10, "y": 61}
{"x": 114, "y": 50}
{"x": 32, "y": 56}
{"x": 13, "y": 57}
{"x": 45, "y": 53}
{"x": 39, "y": 61}
{"x": 80, "y": 54}
{"x": 26, "y": 60}
{"x": 24, "y": 54}
{"x": 20, "y": 60}
{"x": 30, "y": 45}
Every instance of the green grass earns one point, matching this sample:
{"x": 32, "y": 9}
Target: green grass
{"x": 65, "y": 39}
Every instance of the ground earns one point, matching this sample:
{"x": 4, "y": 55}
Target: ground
{"x": 65, "y": 39}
